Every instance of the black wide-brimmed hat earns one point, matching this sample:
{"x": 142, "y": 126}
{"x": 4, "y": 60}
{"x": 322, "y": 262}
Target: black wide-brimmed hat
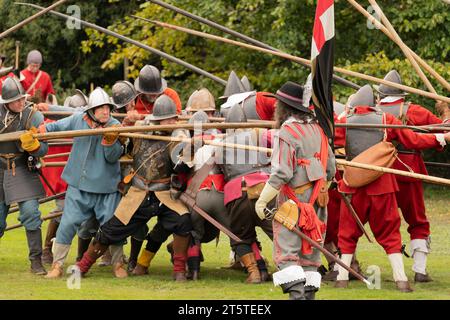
{"x": 291, "y": 93}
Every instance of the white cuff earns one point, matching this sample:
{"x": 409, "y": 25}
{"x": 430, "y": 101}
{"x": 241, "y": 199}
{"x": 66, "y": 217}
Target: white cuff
{"x": 313, "y": 279}
{"x": 289, "y": 274}
{"x": 440, "y": 138}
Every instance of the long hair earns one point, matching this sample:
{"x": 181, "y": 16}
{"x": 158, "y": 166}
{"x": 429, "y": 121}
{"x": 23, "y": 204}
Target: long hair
{"x": 284, "y": 112}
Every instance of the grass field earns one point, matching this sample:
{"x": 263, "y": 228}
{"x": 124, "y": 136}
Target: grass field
{"x": 16, "y": 281}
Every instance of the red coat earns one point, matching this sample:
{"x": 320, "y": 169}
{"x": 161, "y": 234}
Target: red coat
{"x": 44, "y": 85}
{"x": 411, "y": 140}
{"x": 144, "y": 107}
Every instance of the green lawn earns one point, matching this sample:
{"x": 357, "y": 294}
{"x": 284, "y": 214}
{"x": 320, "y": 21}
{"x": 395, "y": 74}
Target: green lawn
{"x": 16, "y": 282}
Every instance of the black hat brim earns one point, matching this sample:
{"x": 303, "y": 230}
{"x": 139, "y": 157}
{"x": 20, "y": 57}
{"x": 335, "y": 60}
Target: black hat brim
{"x": 293, "y": 104}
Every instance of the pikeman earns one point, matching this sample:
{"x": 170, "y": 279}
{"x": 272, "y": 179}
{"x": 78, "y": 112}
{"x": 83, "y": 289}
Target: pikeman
{"x": 302, "y": 163}
{"x": 53, "y": 174}
{"x": 92, "y": 174}
{"x": 124, "y": 97}
{"x": 19, "y": 178}
{"x": 245, "y": 173}
{"x": 37, "y": 83}
{"x": 150, "y": 85}
{"x": 209, "y": 197}
{"x": 256, "y": 105}
{"x": 147, "y": 197}
{"x": 373, "y": 198}
{"x": 410, "y": 196}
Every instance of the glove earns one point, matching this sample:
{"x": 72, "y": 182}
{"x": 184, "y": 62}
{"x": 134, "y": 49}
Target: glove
{"x": 110, "y": 138}
{"x": 28, "y": 142}
{"x": 323, "y": 198}
{"x": 267, "y": 195}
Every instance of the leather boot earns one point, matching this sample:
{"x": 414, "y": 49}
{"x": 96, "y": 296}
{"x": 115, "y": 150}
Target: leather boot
{"x": 47, "y": 256}
{"x": 331, "y": 274}
{"x": 180, "y": 248}
{"x": 136, "y": 246}
{"x": 95, "y": 251}
{"x": 296, "y": 289}
{"x": 249, "y": 261}
{"x": 119, "y": 271}
{"x": 143, "y": 263}
{"x": 341, "y": 284}
{"x": 60, "y": 252}
{"x": 403, "y": 286}
{"x": 83, "y": 245}
{"x": 34, "y": 238}
{"x": 117, "y": 261}
{"x": 420, "y": 277}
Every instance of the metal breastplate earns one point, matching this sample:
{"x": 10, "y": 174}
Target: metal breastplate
{"x": 395, "y": 109}
{"x": 360, "y": 139}
{"x": 152, "y": 160}
{"x": 237, "y": 162}
{"x": 249, "y": 106}
{"x": 13, "y": 123}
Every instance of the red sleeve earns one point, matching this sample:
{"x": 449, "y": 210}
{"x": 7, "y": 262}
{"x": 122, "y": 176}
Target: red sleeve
{"x": 409, "y": 138}
{"x": 339, "y": 133}
{"x": 49, "y": 87}
{"x": 265, "y": 106}
{"x": 174, "y": 96}
{"x": 420, "y": 116}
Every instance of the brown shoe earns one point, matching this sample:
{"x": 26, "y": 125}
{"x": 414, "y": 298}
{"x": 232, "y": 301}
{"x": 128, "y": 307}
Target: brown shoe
{"x": 140, "y": 270}
{"x": 179, "y": 276}
{"x": 249, "y": 261}
{"x": 341, "y": 284}
{"x": 55, "y": 272}
{"x": 420, "y": 277}
{"x": 119, "y": 271}
{"x": 330, "y": 276}
{"x": 403, "y": 286}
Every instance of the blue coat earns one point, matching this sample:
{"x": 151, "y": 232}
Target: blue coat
{"x": 92, "y": 167}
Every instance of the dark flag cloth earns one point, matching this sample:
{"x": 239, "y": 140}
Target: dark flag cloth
{"x": 322, "y": 58}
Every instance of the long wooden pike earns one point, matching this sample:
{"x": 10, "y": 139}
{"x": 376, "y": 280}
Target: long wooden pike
{"x": 134, "y": 42}
{"x": 29, "y": 19}
{"x": 423, "y": 177}
{"x": 41, "y": 201}
{"x": 47, "y": 217}
{"x": 241, "y": 36}
{"x": 298, "y": 59}
{"x": 14, "y": 136}
{"x": 380, "y": 26}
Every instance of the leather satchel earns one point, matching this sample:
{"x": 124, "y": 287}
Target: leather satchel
{"x": 382, "y": 154}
